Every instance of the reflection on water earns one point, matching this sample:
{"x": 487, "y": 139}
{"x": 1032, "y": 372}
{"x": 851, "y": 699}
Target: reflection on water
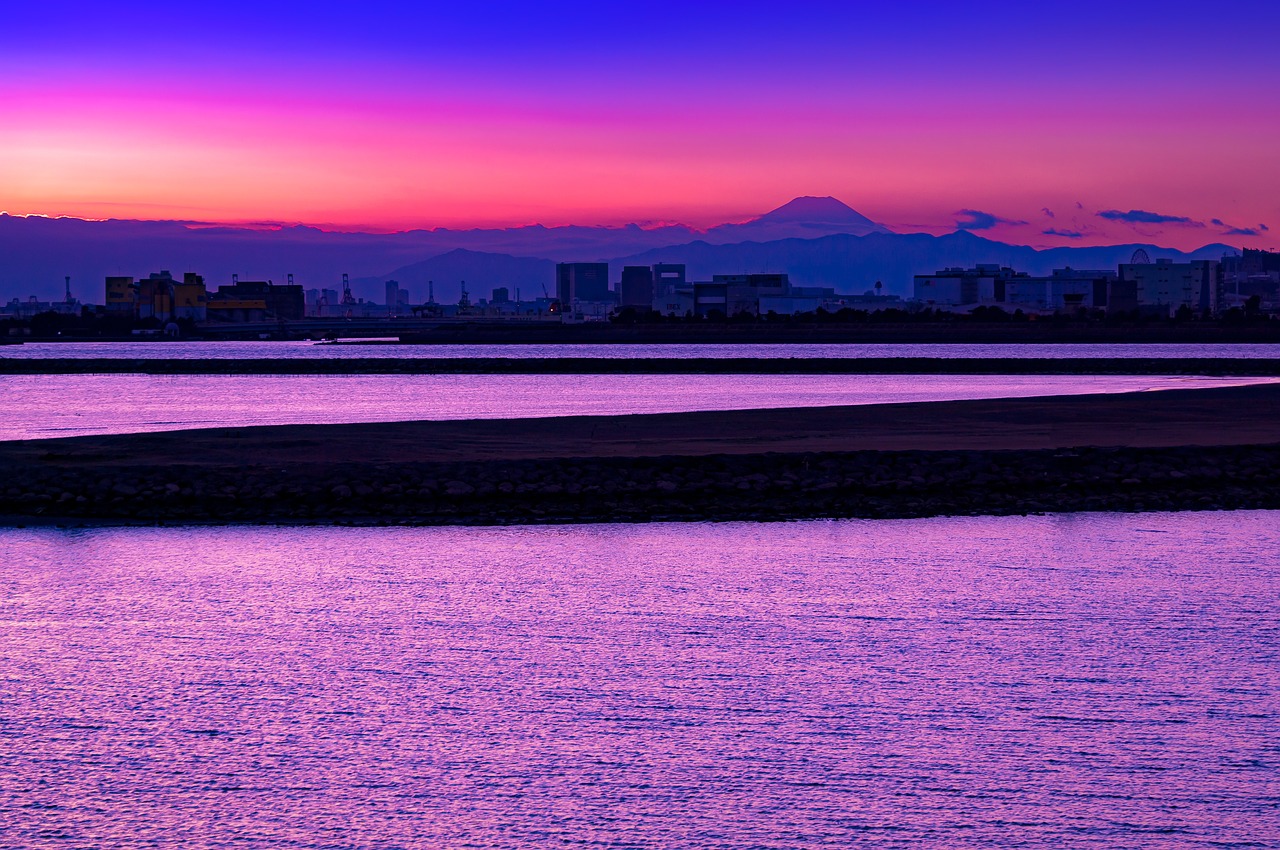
{"x": 292, "y": 350}
{"x": 68, "y": 405}
{"x": 1081, "y": 681}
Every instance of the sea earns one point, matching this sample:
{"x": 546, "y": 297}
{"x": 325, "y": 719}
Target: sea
{"x": 41, "y": 406}
{"x": 67, "y": 405}
{"x": 1086, "y": 680}
{"x": 389, "y": 348}
{"x": 1067, "y": 680}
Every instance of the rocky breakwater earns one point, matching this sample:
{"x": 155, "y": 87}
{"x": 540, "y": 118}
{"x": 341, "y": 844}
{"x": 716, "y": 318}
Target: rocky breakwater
{"x": 766, "y": 486}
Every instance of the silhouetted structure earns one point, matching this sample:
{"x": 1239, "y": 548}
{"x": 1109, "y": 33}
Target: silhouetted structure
{"x": 158, "y": 296}
{"x": 397, "y": 298}
{"x": 636, "y": 287}
{"x": 257, "y": 300}
{"x": 1164, "y": 287}
{"x": 1066, "y": 290}
{"x": 1253, "y": 274}
{"x": 582, "y": 282}
{"x": 983, "y": 284}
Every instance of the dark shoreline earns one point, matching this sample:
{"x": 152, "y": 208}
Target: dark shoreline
{"x": 1165, "y": 451}
{"x": 1207, "y": 366}
{"x": 764, "y": 487}
{"x": 957, "y": 331}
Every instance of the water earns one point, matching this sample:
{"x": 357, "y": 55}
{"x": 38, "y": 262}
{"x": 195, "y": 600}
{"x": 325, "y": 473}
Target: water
{"x": 1061, "y": 681}
{"x": 294, "y": 350}
{"x": 36, "y": 406}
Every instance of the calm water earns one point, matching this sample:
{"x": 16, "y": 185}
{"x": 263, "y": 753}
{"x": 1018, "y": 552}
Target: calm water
{"x": 188, "y": 350}
{"x": 1062, "y": 681}
{"x": 67, "y": 405}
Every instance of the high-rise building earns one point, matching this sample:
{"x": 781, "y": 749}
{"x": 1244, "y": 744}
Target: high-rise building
{"x": 582, "y": 282}
{"x": 636, "y": 287}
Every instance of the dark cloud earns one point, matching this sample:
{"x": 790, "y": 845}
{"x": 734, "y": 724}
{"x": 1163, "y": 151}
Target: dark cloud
{"x": 979, "y": 220}
{"x": 1048, "y": 212}
{"x": 1068, "y": 234}
{"x": 1145, "y": 217}
{"x": 1232, "y": 230}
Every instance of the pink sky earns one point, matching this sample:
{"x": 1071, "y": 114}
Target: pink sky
{"x": 395, "y": 145}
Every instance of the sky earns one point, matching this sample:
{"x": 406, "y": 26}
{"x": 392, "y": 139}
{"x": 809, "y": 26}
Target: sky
{"x": 1042, "y": 124}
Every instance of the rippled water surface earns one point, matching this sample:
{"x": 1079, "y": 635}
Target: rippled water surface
{"x": 1061, "y": 681}
{"x": 36, "y": 406}
{"x": 293, "y": 350}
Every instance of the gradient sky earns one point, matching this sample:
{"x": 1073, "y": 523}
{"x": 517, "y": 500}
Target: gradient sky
{"x": 1066, "y": 124}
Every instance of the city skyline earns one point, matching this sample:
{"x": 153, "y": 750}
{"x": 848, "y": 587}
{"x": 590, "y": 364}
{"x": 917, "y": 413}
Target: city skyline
{"x": 1025, "y": 126}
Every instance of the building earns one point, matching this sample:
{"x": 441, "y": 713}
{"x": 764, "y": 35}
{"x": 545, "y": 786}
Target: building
{"x": 1065, "y": 290}
{"x": 397, "y": 299}
{"x": 583, "y": 291}
{"x": 636, "y": 288}
{"x": 501, "y": 295}
{"x": 801, "y": 299}
{"x": 121, "y": 296}
{"x": 155, "y": 296}
{"x": 983, "y": 284}
{"x": 1251, "y": 274}
{"x": 1164, "y": 287}
{"x": 257, "y": 301}
{"x": 190, "y": 298}
{"x": 737, "y": 294}
{"x": 16, "y": 308}
{"x": 668, "y": 278}
{"x": 582, "y": 282}
{"x": 158, "y": 296}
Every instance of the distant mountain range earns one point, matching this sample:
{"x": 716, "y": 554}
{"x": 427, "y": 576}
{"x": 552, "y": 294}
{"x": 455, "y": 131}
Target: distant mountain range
{"x": 818, "y": 241}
